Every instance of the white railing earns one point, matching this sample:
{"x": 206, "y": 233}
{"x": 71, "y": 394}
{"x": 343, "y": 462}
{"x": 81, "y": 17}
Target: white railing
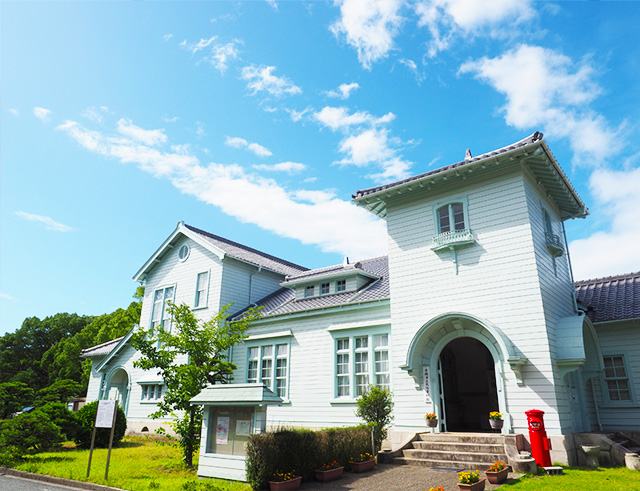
{"x": 452, "y": 239}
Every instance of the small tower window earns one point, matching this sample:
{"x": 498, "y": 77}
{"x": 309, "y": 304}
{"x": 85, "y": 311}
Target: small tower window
{"x": 183, "y": 252}
{"x": 324, "y": 288}
{"x": 451, "y": 217}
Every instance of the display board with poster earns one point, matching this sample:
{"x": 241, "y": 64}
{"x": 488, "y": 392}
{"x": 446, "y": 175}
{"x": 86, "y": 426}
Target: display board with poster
{"x": 229, "y": 429}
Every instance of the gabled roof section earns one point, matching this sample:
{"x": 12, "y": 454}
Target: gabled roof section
{"x": 284, "y": 302}
{"x": 335, "y": 271}
{"x": 222, "y": 248}
{"x": 100, "y": 349}
{"x": 122, "y": 342}
{"x": 236, "y": 395}
{"x": 613, "y": 298}
{"x": 531, "y": 150}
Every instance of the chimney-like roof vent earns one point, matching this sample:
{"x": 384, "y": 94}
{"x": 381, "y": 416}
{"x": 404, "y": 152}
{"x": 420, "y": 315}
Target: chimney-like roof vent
{"x": 467, "y": 154}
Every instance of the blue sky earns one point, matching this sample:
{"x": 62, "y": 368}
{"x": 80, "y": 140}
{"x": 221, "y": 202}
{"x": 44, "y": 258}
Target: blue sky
{"x": 257, "y": 120}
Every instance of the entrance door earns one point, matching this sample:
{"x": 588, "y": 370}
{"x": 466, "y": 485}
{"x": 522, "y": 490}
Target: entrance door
{"x": 468, "y": 384}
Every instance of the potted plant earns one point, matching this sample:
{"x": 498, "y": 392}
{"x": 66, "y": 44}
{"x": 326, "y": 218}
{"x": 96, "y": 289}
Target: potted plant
{"x": 495, "y": 420}
{"x": 432, "y": 420}
{"x": 497, "y": 472}
{"x": 436, "y": 488}
{"x": 362, "y": 463}
{"x": 470, "y": 481}
{"x": 283, "y": 481}
{"x": 330, "y": 471}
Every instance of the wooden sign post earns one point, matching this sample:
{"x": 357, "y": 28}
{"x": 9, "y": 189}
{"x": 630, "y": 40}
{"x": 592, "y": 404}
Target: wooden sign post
{"x": 105, "y": 418}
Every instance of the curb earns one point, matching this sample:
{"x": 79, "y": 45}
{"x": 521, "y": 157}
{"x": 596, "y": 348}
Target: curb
{"x": 56, "y": 480}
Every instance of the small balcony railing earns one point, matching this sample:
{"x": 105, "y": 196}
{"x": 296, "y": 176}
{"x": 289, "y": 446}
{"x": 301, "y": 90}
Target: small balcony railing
{"x": 554, "y": 244}
{"x": 452, "y": 239}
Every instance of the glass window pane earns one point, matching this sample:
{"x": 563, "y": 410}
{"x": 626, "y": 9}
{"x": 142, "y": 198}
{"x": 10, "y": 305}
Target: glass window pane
{"x": 381, "y": 340}
{"x": 341, "y": 285}
{"x": 443, "y": 219}
{"x": 282, "y": 349}
{"x": 324, "y": 288}
{"x": 458, "y": 216}
{"x": 343, "y": 344}
{"x": 362, "y": 342}
{"x": 309, "y": 291}
{"x": 267, "y": 351}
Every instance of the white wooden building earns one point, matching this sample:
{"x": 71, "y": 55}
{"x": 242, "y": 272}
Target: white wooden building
{"x": 474, "y": 309}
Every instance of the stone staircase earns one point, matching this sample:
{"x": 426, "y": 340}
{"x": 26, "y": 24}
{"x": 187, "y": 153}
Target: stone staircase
{"x": 454, "y": 450}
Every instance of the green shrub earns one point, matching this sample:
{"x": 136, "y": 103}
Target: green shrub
{"x": 13, "y": 397}
{"x": 86, "y": 418}
{"x": 302, "y": 451}
{"x": 60, "y": 415}
{"x": 29, "y": 432}
{"x": 375, "y": 406}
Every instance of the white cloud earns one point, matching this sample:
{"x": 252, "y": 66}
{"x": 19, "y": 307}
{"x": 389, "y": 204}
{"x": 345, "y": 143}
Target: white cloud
{"x": 273, "y": 4}
{"x": 95, "y": 113}
{"x": 298, "y": 115}
{"x": 334, "y": 225}
{"x": 148, "y": 137}
{"x": 544, "y": 88}
{"x": 218, "y": 54}
{"x": 170, "y": 119}
{"x": 200, "y": 131}
{"x": 374, "y": 147}
{"x": 614, "y": 250}
{"x": 446, "y": 19}
{"x": 167, "y": 36}
{"x": 262, "y": 79}
{"x": 343, "y": 91}
{"x": 412, "y": 66}
{"x": 239, "y": 142}
{"x": 13, "y": 111}
{"x": 370, "y": 27}
{"x": 339, "y": 118}
{"x": 48, "y": 222}
{"x": 42, "y": 113}
{"x": 288, "y": 167}
{"x": 7, "y": 297}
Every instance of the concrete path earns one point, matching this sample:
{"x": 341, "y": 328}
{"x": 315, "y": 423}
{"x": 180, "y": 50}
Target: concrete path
{"x": 11, "y": 483}
{"x": 392, "y": 478}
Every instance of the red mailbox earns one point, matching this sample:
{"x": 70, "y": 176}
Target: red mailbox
{"x": 540, "y": 444}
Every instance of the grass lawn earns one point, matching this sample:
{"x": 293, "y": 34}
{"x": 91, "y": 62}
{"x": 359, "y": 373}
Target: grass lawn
{"x": 137, "y": 464}
{"x": 611, "y": 479}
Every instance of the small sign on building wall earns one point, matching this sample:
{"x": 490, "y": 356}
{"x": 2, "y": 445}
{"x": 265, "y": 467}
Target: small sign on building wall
{"x": 425, "y": 383}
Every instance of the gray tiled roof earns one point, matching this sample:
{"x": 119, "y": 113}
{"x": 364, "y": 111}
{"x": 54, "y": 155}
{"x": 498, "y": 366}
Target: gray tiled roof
{"x": 283, "y": 301}
{"x": 522, "y": 143}
{"x": 250, "y": 255}
{"x": 100, "y": 349}
{"x": 612, "y": 298}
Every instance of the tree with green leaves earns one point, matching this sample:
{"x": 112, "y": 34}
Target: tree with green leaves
{"x": 188, "y": 357}
{"x": 375, "y": 406}
{"x": 13, "y": 397}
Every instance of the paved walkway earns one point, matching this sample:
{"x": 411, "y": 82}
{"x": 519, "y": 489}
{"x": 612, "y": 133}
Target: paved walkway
{"x": 392, "y": 478}
{"x": 10, "y": 483}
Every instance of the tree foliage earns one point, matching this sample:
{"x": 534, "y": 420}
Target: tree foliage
{"x": 13, "y": 397}
{"x": 376, "y": 407}
{"x": 63, "y": 390}
{"x": 188, "y": 357}
{"x": 86, "y": 418}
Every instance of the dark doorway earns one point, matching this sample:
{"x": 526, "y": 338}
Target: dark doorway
{"x": 469, "y": 385}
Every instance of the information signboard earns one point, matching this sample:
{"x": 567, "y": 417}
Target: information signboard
{"x": 104, "y": 417}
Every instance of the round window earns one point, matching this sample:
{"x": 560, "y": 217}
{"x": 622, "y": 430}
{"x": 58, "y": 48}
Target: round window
{"x": 183, "y": 252}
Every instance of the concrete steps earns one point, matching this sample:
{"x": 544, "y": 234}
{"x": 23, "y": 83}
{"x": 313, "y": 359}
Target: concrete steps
{"x": 454, "y": 451}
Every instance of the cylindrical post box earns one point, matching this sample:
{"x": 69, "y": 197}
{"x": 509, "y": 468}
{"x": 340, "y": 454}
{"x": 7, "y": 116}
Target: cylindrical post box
{"x": 540, "y": 444}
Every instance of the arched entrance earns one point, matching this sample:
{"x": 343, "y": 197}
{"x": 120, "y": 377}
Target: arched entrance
{"x": 468, "y": 385}
{"x": 118, "y": 387}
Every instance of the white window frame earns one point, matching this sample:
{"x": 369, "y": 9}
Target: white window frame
{"x": 262, "y": 346}
{"x": 605, "y": 385}
{"x": 206, "y": 291}
{"x": 465, "y": 212}
{"x": 157, "y": 389}
{"x": 163, "y": 304}
{"x": 328, "y": 285}
{"x": 351, "y": 335}
{"x": 312, "y": 289}
{"x": 344, "y": 282}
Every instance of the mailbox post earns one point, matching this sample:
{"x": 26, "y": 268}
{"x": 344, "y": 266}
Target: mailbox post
{"x": 540, "y": 443}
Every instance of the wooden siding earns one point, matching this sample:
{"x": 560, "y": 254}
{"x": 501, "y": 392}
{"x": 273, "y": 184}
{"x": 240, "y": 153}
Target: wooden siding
{"x": 621, "y": 338}
{"x": 497, "y": 281}
{"x": 242, "y": 284}
{"x": 311, "y": 365}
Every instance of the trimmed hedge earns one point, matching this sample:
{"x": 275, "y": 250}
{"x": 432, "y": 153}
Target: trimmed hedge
{"x": 86, "y": 417}
{"x": 302, "y": 451}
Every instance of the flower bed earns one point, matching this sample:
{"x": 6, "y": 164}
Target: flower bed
{"x": 330, "y": 472}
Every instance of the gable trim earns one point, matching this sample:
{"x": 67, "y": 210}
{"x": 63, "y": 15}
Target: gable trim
{"x": 116, "y": 350}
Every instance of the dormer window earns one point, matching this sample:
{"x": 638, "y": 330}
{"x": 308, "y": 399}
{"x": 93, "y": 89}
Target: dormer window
{"x": 309, "y": 291}
{"x": 451, "y": 217}
{"x": 324, "y": 289}
{"x": 341, "y": 285}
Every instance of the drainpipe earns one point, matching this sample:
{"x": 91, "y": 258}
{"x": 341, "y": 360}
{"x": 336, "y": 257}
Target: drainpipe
{"x": 573, "y": 287}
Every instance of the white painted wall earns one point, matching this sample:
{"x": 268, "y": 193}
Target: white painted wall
{"x": 621, "y": 338}
{"x": 497, "y": 281}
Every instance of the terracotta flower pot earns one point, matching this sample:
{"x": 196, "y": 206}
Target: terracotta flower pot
{"x": 497, "y": 477}
{"x": 476, "y": 486}
{"x": 365, "y": 466}
{"x": 285, "y": 485}
{"x": 496, "y": 424}
{"x": 330, "y": 475}
{"x": 432, "y": 423}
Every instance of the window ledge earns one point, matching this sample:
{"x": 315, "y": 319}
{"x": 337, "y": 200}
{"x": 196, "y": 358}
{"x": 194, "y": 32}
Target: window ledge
{"x": 453, "y": 239}
{"x": 200, "y": 308}
{"x": 343, "y": 400}
{"x": 150, "y": 402}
